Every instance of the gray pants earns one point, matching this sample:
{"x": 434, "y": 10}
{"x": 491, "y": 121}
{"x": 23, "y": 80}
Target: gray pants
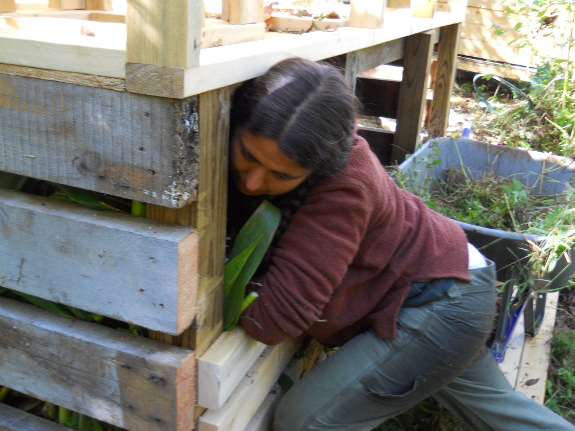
{"x": 439, "y": 351}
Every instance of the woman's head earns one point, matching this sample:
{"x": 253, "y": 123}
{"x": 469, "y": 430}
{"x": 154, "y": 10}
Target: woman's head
{"x": 301, "y": 109}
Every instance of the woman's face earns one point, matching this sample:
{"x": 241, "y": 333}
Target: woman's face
{"x": 260, "y": 168}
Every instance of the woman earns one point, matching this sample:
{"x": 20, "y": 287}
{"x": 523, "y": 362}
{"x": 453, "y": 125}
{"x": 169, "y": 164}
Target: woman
{"x": 362, "y": 265}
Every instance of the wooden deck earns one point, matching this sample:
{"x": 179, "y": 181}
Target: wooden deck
{"x": 527, "y": 358}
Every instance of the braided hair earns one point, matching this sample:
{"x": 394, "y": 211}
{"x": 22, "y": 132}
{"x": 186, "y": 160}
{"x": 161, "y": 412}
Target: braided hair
{"x": 309, "y": 110}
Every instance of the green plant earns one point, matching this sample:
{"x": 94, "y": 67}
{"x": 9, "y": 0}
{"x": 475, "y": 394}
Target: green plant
{"x": 248, "y": 250}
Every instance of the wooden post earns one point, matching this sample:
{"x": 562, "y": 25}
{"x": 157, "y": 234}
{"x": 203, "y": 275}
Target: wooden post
{"x": 242, "y": 11}
{"x": 416, "y": 66}
{"x": 444, "y": 79}
{"x": 367, "y": 13}
{"x": 208, "y": 215}
{"x": 164, "y": 33}
{"x": 7, "y": 6}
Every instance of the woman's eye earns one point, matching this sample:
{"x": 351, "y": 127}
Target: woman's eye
{"x": 248, "y": 156}
{"x": 283, "y": 177}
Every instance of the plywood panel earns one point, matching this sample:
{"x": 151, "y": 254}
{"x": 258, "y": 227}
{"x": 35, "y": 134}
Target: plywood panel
{"x": 125, "y": 267}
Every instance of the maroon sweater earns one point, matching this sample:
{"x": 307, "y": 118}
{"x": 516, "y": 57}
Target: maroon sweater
{"x": 349, "y": 255}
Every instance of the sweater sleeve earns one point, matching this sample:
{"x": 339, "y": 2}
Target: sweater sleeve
{"x": 309, "y": 262}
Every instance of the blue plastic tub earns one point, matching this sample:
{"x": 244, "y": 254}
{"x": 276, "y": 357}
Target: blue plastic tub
{"x": 542, "y": 173}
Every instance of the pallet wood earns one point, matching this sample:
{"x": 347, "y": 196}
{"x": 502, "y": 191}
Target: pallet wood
{"x": 125, "y": 267}
{"x": 12, "y": 419}
{"x": 117, "y": 143}
{"x": 223, "y": 365}
{"x": 128, "y": 381}
{"x": 416, "y": 66}
{"x": 251, "y": 392}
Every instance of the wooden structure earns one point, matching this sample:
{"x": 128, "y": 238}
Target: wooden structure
{"x": 124, "y": 104}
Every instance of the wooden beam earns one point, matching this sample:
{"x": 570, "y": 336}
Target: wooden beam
{"x": 416, "y": 66}
{"x": 125, "y": 267}
{"x": 164, "y": 33}
{"x": 114, "y": 376}
{"x": 368, "y": 58}
{"x": 126, "y": 145}
{"x": 242, "y": 11}
{"x": 99, "y": 4}
{"x": 223, "y": 365}
{"x": 251, "y": 392}
{"x": 13, "y": 419}
{"x": 444, "y": 79}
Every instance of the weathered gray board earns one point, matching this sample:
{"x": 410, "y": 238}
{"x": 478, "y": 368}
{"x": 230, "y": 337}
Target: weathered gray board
{"x": 126, "y": 380}
{"x": 129, "y": 268}
{"x": 13, "y": 419}
{"x": 139, "y": 147}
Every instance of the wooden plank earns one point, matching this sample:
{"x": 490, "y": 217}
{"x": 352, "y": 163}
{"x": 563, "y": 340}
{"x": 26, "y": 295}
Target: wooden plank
{"x": 99, "y": 4}
{"x": 136, "y": 147}
{"x": 511, "y": 363}
{"x": 223, "y": 365}
{"x": 12, "y": 419}
{"x": 285, "y": 22}
{"x": 67, "y": 4}
{"x": 242, "y": 11}
{"x": 151, "y": 41}
{"x": 74, "y": 53}
{"x": 125, "y": 267}
{"x": 535, "y": 358}
{"x": 500, "y": 69}
{"x": 444, "y": 80}
{"x": 369, "y": 58}
{"x": 214, "y": 128}
{"x": 367, "y": 13}
{"x": 416, "y": 66}
{"x": 218, "y": 33}
{"x": 114, "y": 376}
{"x": 496, "y": 52}
{"x": 253, "y": 389}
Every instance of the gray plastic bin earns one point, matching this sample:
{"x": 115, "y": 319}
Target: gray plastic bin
{"x": 543, "y": 174}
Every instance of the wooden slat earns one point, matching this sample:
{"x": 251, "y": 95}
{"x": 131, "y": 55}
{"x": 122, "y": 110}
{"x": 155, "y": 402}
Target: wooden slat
{"x": 253, "y": 389}
{"x": 164, "y": 33}
{"x": 12, "y": 419}
{"x": 223, "y": 365}
{"x": 218, "y": 33}
{"x": 416, "y": 66}
{"x": 129, "y": 268}
{"x": 136, "y": 147}
{"x": 125, "y": 380}
{"x": 444, "y": 80}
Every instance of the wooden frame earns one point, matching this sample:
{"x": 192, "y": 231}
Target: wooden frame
{"x": 144, "y": 115}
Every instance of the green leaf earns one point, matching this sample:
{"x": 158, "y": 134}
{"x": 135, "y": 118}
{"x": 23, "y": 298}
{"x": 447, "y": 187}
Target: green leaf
{"x": 83, "y": 197}
{"x": 12, "y": 181}
{"x": 46, "y": 305}
{"x": 250, "y": 246}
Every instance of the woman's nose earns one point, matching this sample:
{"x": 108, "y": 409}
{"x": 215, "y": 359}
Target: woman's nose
{"x": 254, "y": 180}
